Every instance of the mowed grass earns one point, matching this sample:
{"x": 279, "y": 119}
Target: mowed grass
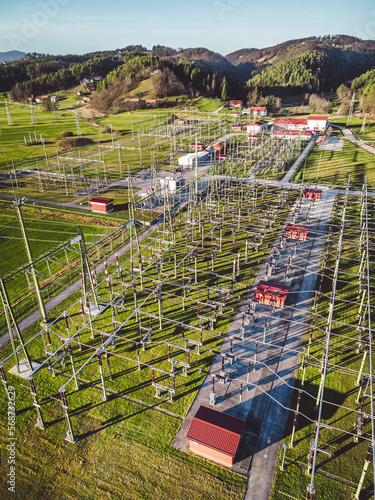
{"x": 12, "y": 144}
{"x": 124, "y": 451}
{"x": 46, "y": 229}
{"x": 334, "y": 167}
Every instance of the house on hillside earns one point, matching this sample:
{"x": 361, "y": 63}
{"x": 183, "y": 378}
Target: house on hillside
{"x": 235, "y": 103}
{"x": 259, "y": 110}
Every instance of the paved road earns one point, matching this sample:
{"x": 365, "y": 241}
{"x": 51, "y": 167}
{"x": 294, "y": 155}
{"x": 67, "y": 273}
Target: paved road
{"x": 348, "y": 134}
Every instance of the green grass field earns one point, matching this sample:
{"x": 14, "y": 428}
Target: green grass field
{"x": 333, "y": 168}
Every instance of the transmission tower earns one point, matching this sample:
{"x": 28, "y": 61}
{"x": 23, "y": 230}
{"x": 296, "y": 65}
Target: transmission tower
{"x": 14, "y": 331}
{"x": 350, "y": 114}
{"x": 87, "y": 279}
{"x": 34, "y": 120}
{"x": 17, "y": 204}
{"x": 78, "y": 126}
{"x": 363, "y": 128}
{"x": 9, "y": 116}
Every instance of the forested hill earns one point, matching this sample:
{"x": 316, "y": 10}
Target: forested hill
{"x": 164, "y": 78}
{"x": 206, "y": 60}
{"x": 313, "y": 71}
{"x": 365, "y": 84}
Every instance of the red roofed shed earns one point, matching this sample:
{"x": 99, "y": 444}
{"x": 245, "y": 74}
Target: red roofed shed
{"x": 103, "y": 205}
{"x": 200, "y": 146}
{"x": 297, "y": 232}
{"x": 268, "y": 292}
{"x": 215, "y": 435}
{"x": 313, "y": 193}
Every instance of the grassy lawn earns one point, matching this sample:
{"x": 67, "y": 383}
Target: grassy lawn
{"x": 333, "y": 168}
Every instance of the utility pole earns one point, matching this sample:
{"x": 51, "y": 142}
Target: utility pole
{"x": 17, "y": 204}
{"x": 9, "y": 116}
{"x": 350, "y": 115}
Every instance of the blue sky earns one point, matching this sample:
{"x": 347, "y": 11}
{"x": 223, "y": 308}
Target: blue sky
{"x": 79, "y": 26}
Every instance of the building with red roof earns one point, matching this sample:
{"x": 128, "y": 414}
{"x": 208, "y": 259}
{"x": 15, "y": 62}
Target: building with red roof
{"x": 290, "y": 123}
{"x": 317, "y": 122}
{"x": 215, "y": 435}
{"x": 259, "y": 110}
{"x": 268, "y": 292}
{"x": 236, "y": 127}
{"x": 103, "y": 205}
{"x": 297, "y": 232}
{"x": 200, "y": 146}
{"x": 257, "y": 127}
{"x": 235, "y": 103}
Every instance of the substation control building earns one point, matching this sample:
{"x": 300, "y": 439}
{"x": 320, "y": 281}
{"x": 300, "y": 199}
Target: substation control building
{"x": 215, "y": 435}
{"x": 103, "y": 205}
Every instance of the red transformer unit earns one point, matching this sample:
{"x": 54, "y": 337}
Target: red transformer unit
{"x": 103, "y": 205}
{"x": 297, "y": 232}
{"x": 313, "y": 193}
{"x": 215, "y": 435}
{"x": 268, "y": 292}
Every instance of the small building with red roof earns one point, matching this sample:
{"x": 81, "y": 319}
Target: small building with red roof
{"x": 237, "y": 127}
{"x": 259, "y": 110}
{"x": 103, "y": 205}
{"x": 312, "y": 193}
{"x": 235, "y": 103}
{"x": 268, "y": 292}
{"x": 215, "y": 435}
{"x": 297, "y": 232}
{"x": 200, "y": 146}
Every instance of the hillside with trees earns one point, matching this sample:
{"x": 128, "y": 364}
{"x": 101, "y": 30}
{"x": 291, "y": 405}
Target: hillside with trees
{"x": 173, "y": 78}
{"x": 364, "y": 86}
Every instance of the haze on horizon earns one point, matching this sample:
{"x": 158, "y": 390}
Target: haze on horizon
{"x": 76, "y": 27}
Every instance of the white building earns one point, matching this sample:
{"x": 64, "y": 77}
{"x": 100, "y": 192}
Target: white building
{"x": 317, "y": 122}
{"x": 257, "y": 127}
{"x": 188, "y": 160}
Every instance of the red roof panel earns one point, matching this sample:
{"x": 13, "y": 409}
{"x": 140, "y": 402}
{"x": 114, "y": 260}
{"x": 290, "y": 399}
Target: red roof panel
{"x": 101, "y": 201}
{"x": 325, "y": 118}
{"x": 216, "y": 430}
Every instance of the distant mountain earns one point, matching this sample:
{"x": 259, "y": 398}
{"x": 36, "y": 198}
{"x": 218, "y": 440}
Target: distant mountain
{"x": 11, "y": 55}
{"x": 349, "y": 55}
{"x": 207, "y": 60}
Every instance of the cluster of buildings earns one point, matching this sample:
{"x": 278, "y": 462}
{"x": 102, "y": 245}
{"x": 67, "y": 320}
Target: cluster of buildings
{"x": 43, "y": 98}
{"x": 290, "y": 128}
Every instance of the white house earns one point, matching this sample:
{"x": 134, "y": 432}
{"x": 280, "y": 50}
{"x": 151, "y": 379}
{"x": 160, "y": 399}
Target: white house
{"x": 317, "y": 122}
{"x": 257, "y": 127}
